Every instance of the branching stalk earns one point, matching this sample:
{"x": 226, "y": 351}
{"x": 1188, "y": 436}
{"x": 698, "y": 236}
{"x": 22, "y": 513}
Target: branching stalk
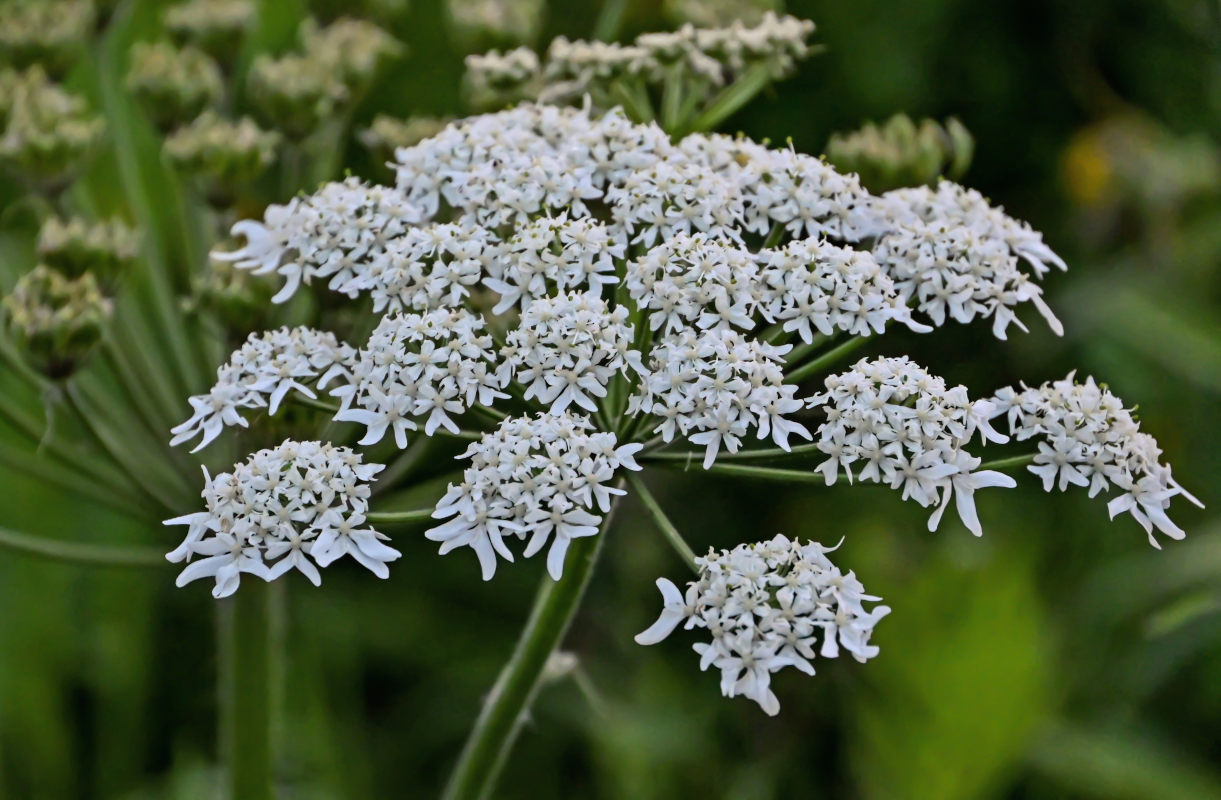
{"x": 79, "y": 553}
{"x": 667, "y": 528}
{"x": 474, "y": 776}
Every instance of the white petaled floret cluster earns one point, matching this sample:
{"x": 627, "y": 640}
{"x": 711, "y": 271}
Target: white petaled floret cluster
{"x": 889, "y": 421}
{"x": 953, "y": 255}
{"x": 815, "y": 287}
{"x": 714, "y": 387}
{"x": 300, "y": 506}
{"x": 567, "y": 349}
{"x": 768, "y": 606}
{"x": 1087, "y": 438}
{"x": 420, "y": 367}
{"x": 544, "y": 478}
{"x": 551, "y": 255}
{"x": 260, "y": 374}
{"x": 324, "y": 235}
{"x": 710, "y": 56}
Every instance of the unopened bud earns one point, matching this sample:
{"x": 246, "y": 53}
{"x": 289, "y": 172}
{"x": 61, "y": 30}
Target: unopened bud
{"x": 173, "y": 84}
{"x": 78, "y": 246}
{"x": 352, "y": 49}
{"x": 46, "y": 130}
{"x": 211, "y": 25}
{"x": 223, "y": 153}
{"x": 294, "y": 93}
{"x": 57, "y": 319}
{"x": 482, "y": 24}
{"x": 902, "y": 153}
{"x": 387, "y": 134}
{"x": 49, "y": 33}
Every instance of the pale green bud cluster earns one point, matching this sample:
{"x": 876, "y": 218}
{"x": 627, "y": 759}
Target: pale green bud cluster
{"x": 299, "y": 91}
{"x": 718, "y": 13}
{"x": 478, "y": 24}
{"x": 45, "y": 131}
{"x": 45, "y": 32}
{"x": 901, "y": 152}
{"x": 222, "y": 149}
{"x": 56, "y": 318}
{"x": 211, "y": 25}
{"x": 78, "y": 246}
{"x": 237, "y": 298}
{"x": 173, "y": 84}
{"x": 494, "y": 79}
{"x": 386, "y": 134}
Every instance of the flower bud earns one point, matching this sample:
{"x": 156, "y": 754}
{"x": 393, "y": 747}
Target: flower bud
{"x": 235, "y": 296}
{"x": 352, "y": 49}
{"x": 49, "y": 33}
{"x": 493, "y": 79}
{"x": 77, "y": 246}
{"x": 173, "y": 84}
{"x": 46, "y": 130}
{"x": 386, "y": 134}
{"x": 57, "y": 319}
{"x": 211, "y": 25}
{"x": 480, "y": 24}
{"x": 295, "y": 93}
{"x": 224, "y": 154}
{"x": 719, "y": 13}
{"x": 902, "y": 153}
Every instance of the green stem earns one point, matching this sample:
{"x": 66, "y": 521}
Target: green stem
{"x": 741, "y": 455}
{"x": 663, "y": 522}
{"x": 79, "y": 553}
{"x": 762, "y": 473}
{"x": 321, "y": 405}
{"x": 416, "y": 515}
{"x": 827, "y": 359}
{"x": 731, "y": 98}
{"x": 487, "y": 747}
{"x": 246, "y": 664}
{"x": 610, "y": 20}
{"x": 1002, "y": 464}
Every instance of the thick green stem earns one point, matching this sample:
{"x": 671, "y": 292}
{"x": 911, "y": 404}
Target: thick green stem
{"x": 610, "y": 20}
{"x": 1004, "y": 464}
{"x": 79, "y": 553}
{"x": 663, "y": 522}
{"x": 246, "y": 632}
{"x": 761, "y": 473}
{"x": 732, "y": 98}
{"x": 827, "y": 359}
{"x": 415, "y": 515}
{"x": 693, "y": 456}
{"x": 490, "y": 741}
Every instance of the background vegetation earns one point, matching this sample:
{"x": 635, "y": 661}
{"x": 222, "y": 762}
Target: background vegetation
{"x": 1060, "y": 656}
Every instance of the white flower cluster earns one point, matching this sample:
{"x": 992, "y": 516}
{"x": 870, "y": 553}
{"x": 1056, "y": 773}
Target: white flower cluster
{"x": 690, "y": 281}
{"x": 896, "y": 424}
{"x": 1088, "y": 439}
{"x": 801, "y": 194}
{"x": 546, "y": 478}
{"x": 259, "y": 375}
{"x": 954, "y": 255}
{"x": 815, "y": 287}
{"x": 420, "y": 366}
{"x": 300, "y": 506}
{"x": 714, "y": 54}
{"x": 549, "y": 255}
{"x": 713, "y": 387}
{"x": 427, "y": 268}
{"x": 324, "y": 235}
{"x": 567, "y": 349}
{"x": 766, "y": 606}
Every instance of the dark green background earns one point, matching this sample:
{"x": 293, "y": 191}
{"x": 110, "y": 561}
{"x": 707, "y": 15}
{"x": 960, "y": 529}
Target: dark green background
{"x": 1059, "y": 656}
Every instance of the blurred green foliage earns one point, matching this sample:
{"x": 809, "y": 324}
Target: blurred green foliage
{"x": 1058, "y": 657}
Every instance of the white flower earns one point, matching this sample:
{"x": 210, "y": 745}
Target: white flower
{"x": 955, "y": 256}
{"x": 713, "y": 387}
{"x": 420, "y": 369}
{"x": 324, "y": 235}
{"x": 543, "y": 478}
{"x": 1088, "y": 439}
{"x": 552, "y": 255}
{"x": 566, "y": 349}
{"x": 295, "y": 506}
{"x": 260, "y": 374}
{"x": 906, "y": 429}
{"x": 765, "y": 606}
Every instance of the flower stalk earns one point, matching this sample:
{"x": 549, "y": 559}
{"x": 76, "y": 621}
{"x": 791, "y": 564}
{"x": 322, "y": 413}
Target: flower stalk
{"x": 491, "y": 739}
{"x": 245, "y": 631}
{"x": 667, "y": 528}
